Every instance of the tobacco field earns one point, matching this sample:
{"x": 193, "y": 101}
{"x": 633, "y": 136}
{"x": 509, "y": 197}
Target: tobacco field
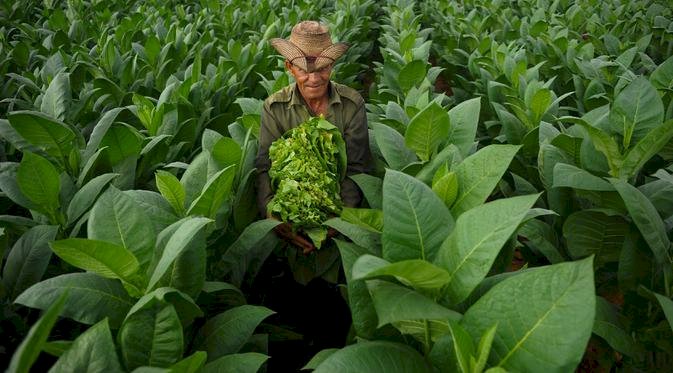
{"x": 518, "y": 217}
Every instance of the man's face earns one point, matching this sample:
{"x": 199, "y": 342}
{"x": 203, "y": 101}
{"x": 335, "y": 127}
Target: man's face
{"x": 311, "y": 85}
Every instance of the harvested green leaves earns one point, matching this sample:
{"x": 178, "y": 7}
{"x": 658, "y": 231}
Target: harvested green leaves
{"x": 307, "y": 165}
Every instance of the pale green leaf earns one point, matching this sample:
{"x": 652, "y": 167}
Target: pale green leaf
{"x": 415, "y": 220}
{"x": 375, "y": 356}
{"x": 427, "y": 130}
{"x": 544, "y": 316}
{"x": 479, "y": 173}
{"x": 468, "y": 253}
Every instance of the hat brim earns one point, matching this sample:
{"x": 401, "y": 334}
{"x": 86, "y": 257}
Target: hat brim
{"x": 295, "y": 55}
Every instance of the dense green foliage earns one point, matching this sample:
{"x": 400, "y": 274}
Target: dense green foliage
{"x": 307, "y": 165}
{"x": 519, "y": 215}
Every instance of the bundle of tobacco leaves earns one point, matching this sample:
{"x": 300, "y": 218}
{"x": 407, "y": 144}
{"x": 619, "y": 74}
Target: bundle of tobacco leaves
{"x": 307, "y": 165}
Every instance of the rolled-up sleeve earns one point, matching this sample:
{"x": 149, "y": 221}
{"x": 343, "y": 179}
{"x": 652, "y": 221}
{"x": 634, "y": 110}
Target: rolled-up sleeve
{"x": 356, "y": 137}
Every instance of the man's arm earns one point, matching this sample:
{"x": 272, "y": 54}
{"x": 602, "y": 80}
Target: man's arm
{"x": 268, "y": 133}
{"x": 356, "y": 137}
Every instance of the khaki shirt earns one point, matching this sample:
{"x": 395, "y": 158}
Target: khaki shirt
{"x": 287, "y": 109}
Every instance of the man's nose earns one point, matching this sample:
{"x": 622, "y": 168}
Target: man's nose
{"x": 314, "y": 76}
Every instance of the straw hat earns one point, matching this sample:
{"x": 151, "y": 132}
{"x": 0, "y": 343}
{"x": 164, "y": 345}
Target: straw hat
{"x": 310, "y": 46}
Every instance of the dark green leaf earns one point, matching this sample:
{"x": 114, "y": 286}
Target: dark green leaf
{"x": 647, "y": 219}
{"x": 248, "y": 362}
{"x": 151, "y": 336}
{"x": 31, "y": 346}
{"x": 92, "y": 298}
{"x": 227, "y": 332}
{"x": 93, "y": 351}
{"x": 118, "y": 219}
{"x": 28, "y": 259}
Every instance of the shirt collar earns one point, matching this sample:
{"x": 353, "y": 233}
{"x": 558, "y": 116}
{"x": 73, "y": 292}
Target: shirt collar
{"x": 296, "y": 99}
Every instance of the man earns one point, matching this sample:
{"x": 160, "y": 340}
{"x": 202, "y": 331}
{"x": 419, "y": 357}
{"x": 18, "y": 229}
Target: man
{"x": 309, "y": 56}
{"x": 315, "y": 308}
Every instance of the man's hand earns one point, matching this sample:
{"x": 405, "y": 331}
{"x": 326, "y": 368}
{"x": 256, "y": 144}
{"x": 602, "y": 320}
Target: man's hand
{"x": 284, "y": 231}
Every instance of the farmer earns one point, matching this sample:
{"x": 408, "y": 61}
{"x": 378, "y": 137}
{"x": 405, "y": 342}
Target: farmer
{"x": 309, "y": 56}
{"x": 300, "y": 284}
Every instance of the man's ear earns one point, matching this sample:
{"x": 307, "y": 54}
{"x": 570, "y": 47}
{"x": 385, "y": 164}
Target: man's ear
{"x": 288, "y": 65}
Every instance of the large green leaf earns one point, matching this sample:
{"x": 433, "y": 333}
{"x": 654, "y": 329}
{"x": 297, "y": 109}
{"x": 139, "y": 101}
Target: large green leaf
{"x": 191, "y": 364}
{"x": 31, "y": 346}
{"x": 468, "y": 253}
{"x": 169, "y": 186}
{"x": 370, "y": 219}
{"x": 184, "y": 305}
{"x": 375, "y": 356}
{"x": 249, "y": 250}
{"x": 427, "y": 130}
{"x": 227, "y": 152}
{"x": 391, "y": 144}
{"x": 318, "y": 358}
{"x": 479, "y": 173}
{"x": 415, "y": 220}
{"x": 647, "y": 219}
{"x": 360, "y": 303}
{"x": 637, "y": 110}
{"x": 93, "y": 351}
{"x": 187, "y": 272}
{"x": 646, "y": 148}
{"x": 371, "y": 187}
{"x": 592, "y": 232}
{"x": 464, "y": 121}
{"x": 99, "y": 132}
{"x": 156, "y": 207}
{"x": 463, "y": 347}
{"x": 28, "y": 259}
{"x": 544, "y": 317}
{"x": 122, "y": 142}
{"x": 397, "y": 303}
{"x": 360, "y": 235}
{"x": 40, "y": 182}
{"x": 195, "y": 176}
{"x": 10, "y": 135}
{"x": 248, "y": 362}
{"x": 227, "y": 332}
{"x": 176, "y": 245}
{"x": 412, "y": 74}
{"x": 92, "y": 298}
{"x": 667, "y": 306}
{"x": 662, "y": 77}
{"x": 10, "y": 186}
{"x": 417, "y": 273}
{"x": 104, "y": 258}
{"x": 602, "y": 142}
{"x": 118, "y": 219}
{"x": 44, "y": 132}
{"x": 56, "y": 98}
{"x": 608, "y": 327}
{"x": 86, "y": 196}
{"x": 449, "y": 157}
{"x": 215, "y": 192}
{"x": 566, "y": 175}
{"x": 151, "y": 336}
